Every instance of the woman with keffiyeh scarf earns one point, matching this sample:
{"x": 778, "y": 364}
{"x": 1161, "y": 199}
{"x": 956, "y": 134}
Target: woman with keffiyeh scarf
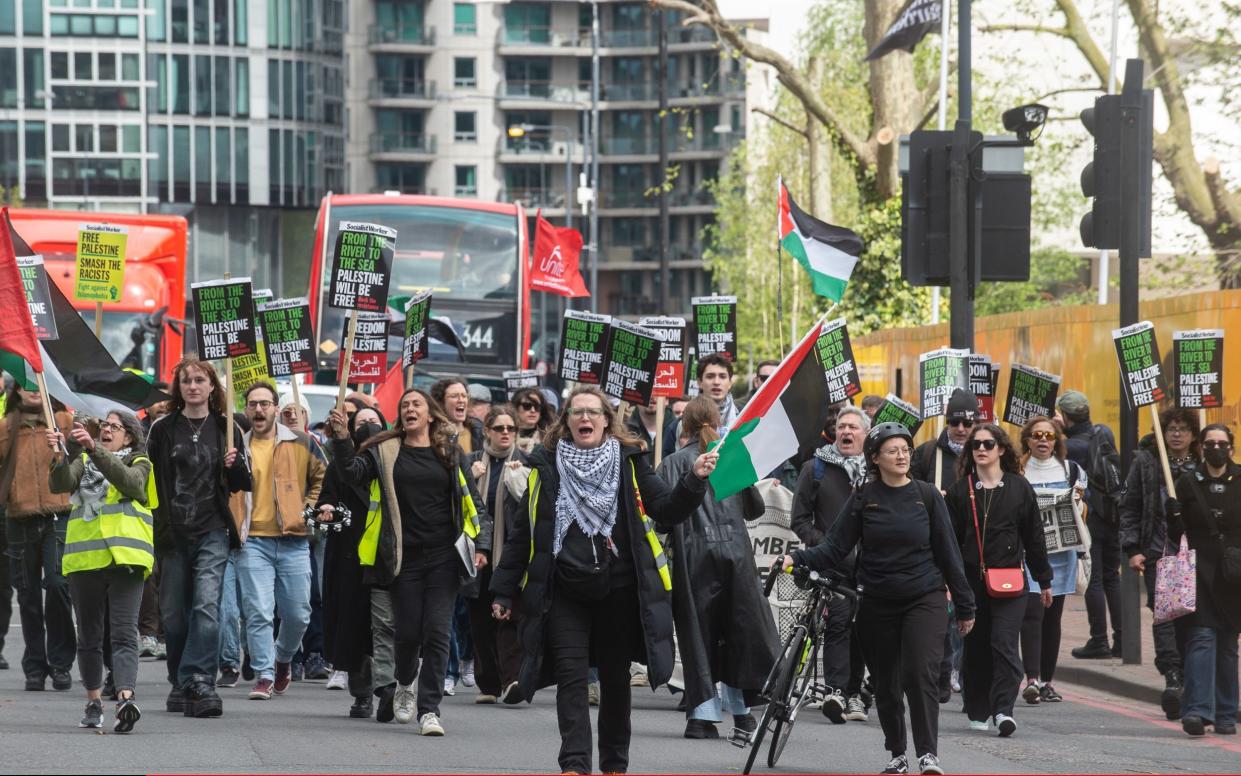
{"x": 114, "y": 592}
{"x": 591, "y": 575}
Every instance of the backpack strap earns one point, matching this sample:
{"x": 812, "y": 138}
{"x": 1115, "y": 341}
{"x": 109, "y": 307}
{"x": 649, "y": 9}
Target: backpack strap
{"x": 820, "y": 468}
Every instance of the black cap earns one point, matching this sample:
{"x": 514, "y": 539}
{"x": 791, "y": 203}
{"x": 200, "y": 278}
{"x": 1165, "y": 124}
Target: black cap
{"x": 962, "y": 404}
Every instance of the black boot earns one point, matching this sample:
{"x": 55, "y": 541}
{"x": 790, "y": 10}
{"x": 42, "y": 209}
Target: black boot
{"x": 201, "y": 699}
{"x": 363, "y": 706}
{"x": 1170, "y": 701}
{"x": 1093, "y": 650}
{"x": 386, "y": 712}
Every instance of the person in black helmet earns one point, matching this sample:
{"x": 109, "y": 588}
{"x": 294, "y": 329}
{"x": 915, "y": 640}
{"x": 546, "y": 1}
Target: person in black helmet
{"x": 907, "y": 552}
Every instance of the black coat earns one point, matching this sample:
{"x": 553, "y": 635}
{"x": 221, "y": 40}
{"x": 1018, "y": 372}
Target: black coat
{"x": 346, "y": 597}
{"x": 474, "y": 587}
{"x": 922, "y": 464}
{"x": 634, "y": 424}
{"x": 1143, "y": 527}
{"x": 527, "y": 553}
{"x": 816, "y": 505}
{"x": 725, "y": 630}
{"x": 1012, "y": 530}
{"x": 1219, "y": 601}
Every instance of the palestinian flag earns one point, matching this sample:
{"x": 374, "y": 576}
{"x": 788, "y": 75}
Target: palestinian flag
{"x": 784, "y": 417}
{"x": 79, "y": 370}
{"x": 828, "y": 252}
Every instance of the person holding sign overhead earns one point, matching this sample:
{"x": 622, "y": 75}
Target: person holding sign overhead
{"x": 591, "y": 574}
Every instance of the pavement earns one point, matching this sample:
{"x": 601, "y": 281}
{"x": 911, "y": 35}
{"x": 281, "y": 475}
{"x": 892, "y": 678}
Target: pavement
{"x": 1140, "y": 683}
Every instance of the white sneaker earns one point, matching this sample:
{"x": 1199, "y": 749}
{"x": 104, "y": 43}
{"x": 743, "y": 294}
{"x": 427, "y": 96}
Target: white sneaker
{"x": 467, "y": 673}
{"x": 955, "y": 680}
{"x": 1005, "y": 724}
{"x": 450, "y": 686}
{"x": 429, "y": 725}
{"x": 404, "y": 703}
{"x": 834, "y": 708}
{"x": 855, "y": 710}
{"x": 147, "y": 645}
{"x": 979, "y": 726}
{"x": 339, "y": 680}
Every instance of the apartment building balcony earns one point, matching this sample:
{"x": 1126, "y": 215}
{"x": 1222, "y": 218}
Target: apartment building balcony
{"x": 402, "y": 147}
{"x": 402, "y": 93}
{"x": 534, "y": 197}
{"x": 402, "y": 39}
{"x": 696, "y": 38}
{"x": 538, "y": 149}
{"x": 519, "y": 94}
{"x": 717, "y": 89}
{"x": 637, "y": 40}
{"x": 645, "y": 148}
{"x": 542, "y": 41}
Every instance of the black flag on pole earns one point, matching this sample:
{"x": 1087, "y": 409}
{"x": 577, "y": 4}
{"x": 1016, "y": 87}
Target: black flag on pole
{"x": 915, "y": 21}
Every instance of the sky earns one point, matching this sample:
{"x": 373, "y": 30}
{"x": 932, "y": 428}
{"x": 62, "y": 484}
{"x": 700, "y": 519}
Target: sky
{"x": 787, "y": 17}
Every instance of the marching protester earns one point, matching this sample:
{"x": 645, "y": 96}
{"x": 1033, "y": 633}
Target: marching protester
{"x": 824, "y": 488}
{"x": 591, "y": 575}
{"x": 726, "y": 636}
{"x": 715, "y": 381}
{"x": 995, "y": 516}
{"x": 1144, "y": 535}
{"x": 500, "y": 476}
{"x": 35, "y": 523}
{"x": 195, "y": 470}
{"x": 480, "y": 401}
{"x": 534, "y": 418}
{"x": 762, "y": 372}
{"x": 871, "y": 404}
{"x": 428, "y": 533}
{"x": 352, "y": 643}
{"x": 109, "y": 551}
{"x": 1046, "y": 468}
{"x": 1102, "y": 520}
{"x": 273, "y": 564}
{"x": 1209, "y": 514}
{"x": 908, "y": 555}
{"x": 454, "y": 399}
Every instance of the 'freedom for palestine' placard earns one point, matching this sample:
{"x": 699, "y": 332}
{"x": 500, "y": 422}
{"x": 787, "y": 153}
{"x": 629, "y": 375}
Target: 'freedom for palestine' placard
{"x": 519, "y": 379}
{"x": 715, "y": 326}
{"x": 369, "y": 361}
{"x": 1031, "y": 392}
{"x": 629, "y": 372}
{"x": 835, "y": 354}
{"x": 942, "y": 372}
{"x": 363, "y": 267}
{"x": 583, "y": 340}
{"x": 34, "y": 282}
{"x": 288, "y": 337}
{"x": 670, "y": 369}
{"x": 224, "y": 318}
{"x": 981, "y": 385}
{"x": 1199, "y": 358}
{"x": 1140, "y": 373}
{"x": 416, "y": 345}
{"x": 896, "y": 410}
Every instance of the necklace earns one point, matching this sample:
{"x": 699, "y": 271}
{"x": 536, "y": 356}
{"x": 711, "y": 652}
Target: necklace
{"x": 195, "y": 430}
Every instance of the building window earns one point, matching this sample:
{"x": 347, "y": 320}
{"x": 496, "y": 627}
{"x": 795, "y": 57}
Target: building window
{"x": 463, "y": 72}
{"x": 527, "y": 23}
{"x": 33, "y": 75}
{"x": 157, "y": 144}
{"x": 107, "y": 66}
{"x": 466, "y": 181}
{"x": 107, "y": 138}
{"x": 181, "y": 163}
{"x": 464, "y": 19}
{"x": 60, "y": 137}
{"x": 32, "y": 17}
{"x": 202, "y": 86}
{"x": 180, "y": 85}
{"x": 60, "y": 64}
{"x": 180, "y": 29}
{"x": 464, "y": 127}
{"x": 157, "y": 21}
{"x": 222, "y": 76}
{"x": 8, "y": 91}
{"x": 241, "y": 92}
{"x": 240, "y": 20}
{"x": 8, "y": 26}
{"x": 202, "y": 164}
{"x": 131, "y": 139}
{"x": 82, "y": 67}
{"x": 84, "y": 139}
{"x": 201, "y": 21}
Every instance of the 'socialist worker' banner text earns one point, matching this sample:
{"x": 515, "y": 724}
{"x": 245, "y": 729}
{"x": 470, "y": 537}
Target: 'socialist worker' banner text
{"x": 715, "y": 326}
{"x": 100, "y": 263}
{"x": 583, "y": 341}
{"x": 363, "y": 267}
{"x": 1140, "y": 373}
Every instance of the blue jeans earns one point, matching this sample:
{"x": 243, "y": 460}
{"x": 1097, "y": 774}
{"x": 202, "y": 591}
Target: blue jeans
{"x": 35, "y": 547}
{"x": 726, "y": 699}
{"x": 274, "y": 572}
{"x": 230, "y": 616}
{"x": 461, "y": 643}
{"x": 191, "y": 575}
{"x": 1211, "y": 675}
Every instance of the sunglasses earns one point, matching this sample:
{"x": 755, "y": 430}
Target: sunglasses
{"x": 983, "y": 444}
{"x": 530, "y": 406}
{"x": 954, "y": 422}
{"x": 1045, "y": 436}
{"x": 1212, "y": 444}
{"x": 503, "y": 429}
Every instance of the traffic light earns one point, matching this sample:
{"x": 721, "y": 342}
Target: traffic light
{"x": 1101, "y": 178}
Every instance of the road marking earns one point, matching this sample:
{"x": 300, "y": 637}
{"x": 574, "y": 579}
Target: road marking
{"x": 1104, "y": 705}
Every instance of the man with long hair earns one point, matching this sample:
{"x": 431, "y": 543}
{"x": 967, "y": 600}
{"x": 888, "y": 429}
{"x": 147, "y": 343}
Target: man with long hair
{"x": 195, "y": 470}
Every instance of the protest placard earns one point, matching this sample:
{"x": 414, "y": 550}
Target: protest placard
{"x": 1031, "y": 392}
{"x": 982, "y": 387}
{"x": 368, "y": 363}
{"x": 670, "y": 369}
{"x": 715, "y": 325}
{"x": 516, "y": 380}
{"x": 34, "y": 282}
{"x": 1060, "y": 514}
{"x": 629, "y": 369}
{"x": 1140, "y": 373}
{"x": 835, "y": 355}
{"x": 363, "y": 267}
{"x": 99, "y": 269}
{"x": 224, "y": 318}
{"x": 583, "y": 340}
{"x": 416, "y": 345}
{"x": 896, "y": 410}
{"x": 942, "y": 372}
{"x": 288, "y": 338}
{"x": 1198, "y": 355}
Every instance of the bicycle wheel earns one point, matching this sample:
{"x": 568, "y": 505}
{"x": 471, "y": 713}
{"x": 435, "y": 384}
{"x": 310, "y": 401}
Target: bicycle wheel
{"x": 797, "y": 691}
{"x": 776, "y": 691}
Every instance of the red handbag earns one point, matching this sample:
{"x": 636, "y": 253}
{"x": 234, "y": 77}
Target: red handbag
{"x": 1000, "y": 583}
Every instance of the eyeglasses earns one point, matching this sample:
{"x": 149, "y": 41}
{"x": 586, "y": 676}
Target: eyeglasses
{"x": 111, "y": 426}
{"x": 899, "y": 452}
{"x": 261, "y": 404}
{"x": 983, "y": 444}
{"x": 966, "y": 422}
{"x": 503, "y": 429}
{"x": 763, "y": 378}
{"x": 590, "y": 412}
{"x": 1046, "y": 436}
{"x": 530, "y": 406}
{"x": 1214, "y": 444}
{"x": 1178, "y": 430}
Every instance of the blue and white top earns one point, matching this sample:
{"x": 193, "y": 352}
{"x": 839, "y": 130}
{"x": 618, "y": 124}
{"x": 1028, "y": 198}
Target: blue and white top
{"x": 1052, "y": 474}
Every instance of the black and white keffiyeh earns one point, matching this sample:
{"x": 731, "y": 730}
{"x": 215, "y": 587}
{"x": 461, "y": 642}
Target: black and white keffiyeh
{"x": 589, "y": 488}
{"x": 853, "y": 465}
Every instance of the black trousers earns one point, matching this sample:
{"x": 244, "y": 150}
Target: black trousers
{"x": 904, "y": 642}
{"x": 6, "y": 587}
{"x": 1169, "y": 636}
{"x": 609, "y": 630}
{"x": 497, "y": 651}
{"x": 1040, "y": 637}
{"x": 1103, "y": 592}
{"x": 842, "y": 666}
{"x": 990, "y": 664}
{"x": 36, "y": 547}
{"x": 423, "y": 596}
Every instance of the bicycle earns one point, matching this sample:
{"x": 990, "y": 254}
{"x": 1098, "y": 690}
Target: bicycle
{"x": 793, "y": 681}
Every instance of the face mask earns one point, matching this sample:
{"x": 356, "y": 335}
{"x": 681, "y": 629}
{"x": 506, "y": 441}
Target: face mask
{"x": 365, "y": 432}
{"x": 1216, "y": 456}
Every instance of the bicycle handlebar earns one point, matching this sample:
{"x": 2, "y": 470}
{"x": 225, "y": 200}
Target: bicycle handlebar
{"x": 832, "y": 581}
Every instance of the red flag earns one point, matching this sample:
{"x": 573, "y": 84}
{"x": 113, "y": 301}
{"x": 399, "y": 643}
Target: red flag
{"x": 388, "y": 393}
{"x": 17, "y": 334}
{"x": 554, "y": 264}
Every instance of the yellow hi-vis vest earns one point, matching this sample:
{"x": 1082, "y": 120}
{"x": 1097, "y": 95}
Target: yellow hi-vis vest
{"x": 121, "y": 533}
{"x": 648, "y": 527}
{"x": 368, "y": 545}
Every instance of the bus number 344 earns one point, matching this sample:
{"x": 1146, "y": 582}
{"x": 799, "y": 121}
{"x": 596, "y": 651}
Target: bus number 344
{"x": 478, "y": 337}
